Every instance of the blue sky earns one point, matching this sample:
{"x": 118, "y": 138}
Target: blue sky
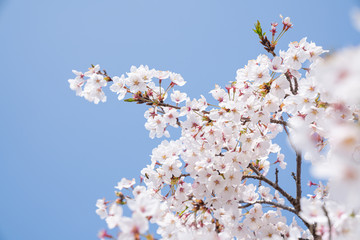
{"x": 59, "y": 153}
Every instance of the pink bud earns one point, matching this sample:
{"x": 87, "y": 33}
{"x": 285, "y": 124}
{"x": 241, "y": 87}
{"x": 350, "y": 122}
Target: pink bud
{"x": 310, "y": 184}
{"x": 103, "y": 234}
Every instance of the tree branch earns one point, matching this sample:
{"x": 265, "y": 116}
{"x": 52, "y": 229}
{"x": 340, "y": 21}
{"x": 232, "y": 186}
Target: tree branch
{"x": 274, "y": 185}
{"x": 282, "y": 122}
{"x": 298, "y": 181}
{"x": 292, "y": 89}
{"x": 267, "y": 45}
{"x": 150, "y": 102}
{"x": 290, "y": 209}
{"x": 270, "y": 203}
{"x": 328, "y": 218}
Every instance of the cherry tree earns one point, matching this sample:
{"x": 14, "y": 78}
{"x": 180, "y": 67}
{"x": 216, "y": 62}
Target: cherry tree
{"x": 215, "y": 180}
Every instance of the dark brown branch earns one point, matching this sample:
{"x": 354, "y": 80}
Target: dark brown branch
{"x": 267, "y": 45}
{"x": 328, "y": 219}
{"x": 246, "y": 205}
{"x": 285, "y": 127}
{"x": 293, "y": 201}
{"x": 298, "y": 181}
{"x": 161, "y": 104}
{"x": 292, "y": 89}
{"x": 290, "y": 209}
{"x": 282, "y": 122}
{"x": 276, "y": 176}
{"x": 296, "y": 85}
{"x": 270, "y": 203}
{"x": 178, "y": 122}
{"x": 297, "y": 177}
{"x": 150, "y": 102}
{"x": 274, "y": 185}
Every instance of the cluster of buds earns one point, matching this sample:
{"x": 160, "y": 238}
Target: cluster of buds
{"x": 273, "y": 28}
{"x": 270, "y": 46}
{"x": 286, "y": 23}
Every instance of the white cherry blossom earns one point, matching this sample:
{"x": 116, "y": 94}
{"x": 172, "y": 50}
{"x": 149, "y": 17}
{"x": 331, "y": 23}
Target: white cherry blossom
{"x": 215, "y": 180}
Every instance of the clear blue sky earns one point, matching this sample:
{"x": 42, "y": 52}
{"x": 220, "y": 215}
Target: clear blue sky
{"x": 59, "y": 153}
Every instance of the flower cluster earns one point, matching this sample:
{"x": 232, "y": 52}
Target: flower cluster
{"x": 213, "y": 182}
{"x": 138, "y": 82}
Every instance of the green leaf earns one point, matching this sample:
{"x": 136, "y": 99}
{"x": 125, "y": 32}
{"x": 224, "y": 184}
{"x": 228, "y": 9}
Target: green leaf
{"x": 258, "y": 29}
{"x": 130, "y": 100}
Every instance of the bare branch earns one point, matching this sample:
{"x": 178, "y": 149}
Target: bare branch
{"x": 274, "y": 185}
{"x": 270, "y": 203}
{"x": 298, "y": 181}
{"x": 282, "y": 122}
{"x": 290, "y": 209}
{"x": 328, "y": 218}
{"x": 284, "y": 125}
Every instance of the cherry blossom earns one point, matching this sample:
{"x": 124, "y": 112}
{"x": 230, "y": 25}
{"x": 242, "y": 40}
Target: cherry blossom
{"x": 219, "y": 178}
{"x": 125, "y": 183}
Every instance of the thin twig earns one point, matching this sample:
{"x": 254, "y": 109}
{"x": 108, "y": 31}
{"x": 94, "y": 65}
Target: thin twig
{"x": 328, "y": 218}
{"x": 290, "y": 209}
{"x": 285, "y": 127}
{"x": 298, "y": 181}
{"x": 275, "y": 186}
{"x": 161, "y": 104}
{"x": 151, "y": 102}
{"x": 270, "y": 203}
{"x": 282, "y": 122}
